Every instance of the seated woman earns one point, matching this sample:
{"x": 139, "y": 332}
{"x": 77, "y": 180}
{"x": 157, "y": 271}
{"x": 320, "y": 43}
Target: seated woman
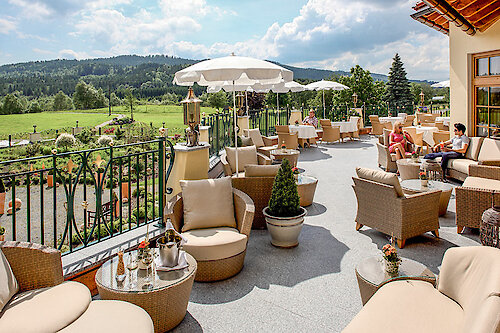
{"x": 398, "y": 140}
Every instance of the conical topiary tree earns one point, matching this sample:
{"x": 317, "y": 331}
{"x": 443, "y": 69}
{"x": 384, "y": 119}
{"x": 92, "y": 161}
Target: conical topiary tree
{"x": 398, "y": 87}
{"x": 285, "y": 200}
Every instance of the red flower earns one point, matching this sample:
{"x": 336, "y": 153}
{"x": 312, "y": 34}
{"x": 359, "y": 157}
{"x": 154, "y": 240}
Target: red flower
{"x": 143, "y": 244}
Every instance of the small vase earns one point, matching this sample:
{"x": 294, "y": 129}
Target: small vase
{"x": 392, "y": 267}
{"x": 424, "y": 182}
{"x": 120, "y": 268}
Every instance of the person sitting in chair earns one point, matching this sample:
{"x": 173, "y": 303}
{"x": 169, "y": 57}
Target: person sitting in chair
{"x": 311, "y": 119}
{"x": 459, "y": 145}
{"x": 398, "y": 140}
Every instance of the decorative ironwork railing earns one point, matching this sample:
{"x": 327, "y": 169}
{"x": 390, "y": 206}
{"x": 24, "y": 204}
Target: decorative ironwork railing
{"x": 75, "y": 199}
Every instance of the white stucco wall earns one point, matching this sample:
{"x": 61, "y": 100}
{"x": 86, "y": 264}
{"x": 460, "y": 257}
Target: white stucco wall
{"x": 462, "y": 46}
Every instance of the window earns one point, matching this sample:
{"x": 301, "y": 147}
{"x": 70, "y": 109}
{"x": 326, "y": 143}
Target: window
{"x": 486, "y": 84}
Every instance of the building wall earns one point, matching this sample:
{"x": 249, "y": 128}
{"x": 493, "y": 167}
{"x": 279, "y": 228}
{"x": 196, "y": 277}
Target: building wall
{"x": 462, "y": 46}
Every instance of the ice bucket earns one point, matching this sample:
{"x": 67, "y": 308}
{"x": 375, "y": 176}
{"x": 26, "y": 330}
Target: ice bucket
{"x": 169, "y": 253}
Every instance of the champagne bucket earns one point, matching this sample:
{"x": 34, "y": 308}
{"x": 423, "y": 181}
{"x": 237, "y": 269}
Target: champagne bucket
{"x": 169, "y": 254}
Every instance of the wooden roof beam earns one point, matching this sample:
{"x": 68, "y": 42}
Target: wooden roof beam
{"x": 452, "y": 15}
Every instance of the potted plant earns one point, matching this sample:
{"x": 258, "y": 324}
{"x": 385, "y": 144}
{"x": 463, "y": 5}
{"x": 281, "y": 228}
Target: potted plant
{"x": 2, "y": 197}
{"x": 424, "y": 180}
{"x": 296, "y": 123}
{"x": 284, "y": 216}
{"x": 296, "y": 172}
{"x": 391, "y": 260}
{"x": 2, "y": 233}
{"x": 414, "y": 156}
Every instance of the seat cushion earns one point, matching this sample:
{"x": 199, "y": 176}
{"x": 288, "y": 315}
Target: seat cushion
{"x": 482, "y": 183}
{"x": 261, "y": 170}
{"x": 246, "y": 155}
{"x": 45, "y": 310}
{"x": 214, "y": 243}
{"x": 246, "y": 141}
{"x": 408, "y": 306}
{"x": 474, "y": 148}
{"x": 490, "y": 150}
{"x": 8, "y": 283}
{"x": 381, "y": 177}
{"x": 254, "y": 134}
{"x": 208, "y": 203}
{"x": 112, "y": 316}
{"x": 461, "y": 164}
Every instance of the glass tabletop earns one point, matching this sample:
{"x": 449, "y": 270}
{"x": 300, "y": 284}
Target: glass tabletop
{"x": 284, "y": 152}
{"x": 304, "y": 180}
{"x": 432, "y": 185}
{"x": 372, "y": 270}
{"x": 105, "y": 276}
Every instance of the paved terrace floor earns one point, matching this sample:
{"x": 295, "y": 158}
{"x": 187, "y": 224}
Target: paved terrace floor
{"x": 312, "y": 288}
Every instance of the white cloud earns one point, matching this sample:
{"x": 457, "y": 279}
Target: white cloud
{"x": 7, "y": 25}
{"x": 71, "y": 54}
{"x": 33, "y": 9}
{"x": 40, "y": 51}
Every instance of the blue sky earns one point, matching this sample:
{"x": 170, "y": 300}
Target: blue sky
{"x": 329, "y": 34}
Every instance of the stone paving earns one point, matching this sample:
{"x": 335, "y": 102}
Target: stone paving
{"x": 312, "y": 288}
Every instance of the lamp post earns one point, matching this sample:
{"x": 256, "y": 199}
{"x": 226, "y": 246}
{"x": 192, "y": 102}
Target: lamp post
{"x": 422, "y": 96}
{"x": 191, "y": 107}
{"x": 355, "y": 99}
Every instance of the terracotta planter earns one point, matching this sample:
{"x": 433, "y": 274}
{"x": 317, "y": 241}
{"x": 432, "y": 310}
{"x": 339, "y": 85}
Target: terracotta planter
{"x": 50, "y": 181}
{"x": 125, "y": 187}
{"x": 284, "y": 231}
{"x": 2, "y": 203}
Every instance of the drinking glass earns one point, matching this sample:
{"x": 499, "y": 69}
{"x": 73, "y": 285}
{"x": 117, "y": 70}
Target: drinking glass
{"x": 131, "y": 266}
{"x": 147, "y": 259}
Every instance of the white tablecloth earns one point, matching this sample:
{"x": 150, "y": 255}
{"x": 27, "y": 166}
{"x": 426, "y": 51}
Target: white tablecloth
{"x": 445, "y": 120}
{"x": 392, "y": 119}
{"x": 427, "y": 136}
{"x": 305, "y": 131}
{"x": 346, "y": 126}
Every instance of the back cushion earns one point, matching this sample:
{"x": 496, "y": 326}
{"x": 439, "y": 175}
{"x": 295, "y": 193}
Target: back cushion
{"x": 261, "y": 170}
{"x": 474, "y": 147}
{"x": 471, "y": 277}
{"x": 254, "y": 134}
{"x": 380, "y": 176}
{"x": 325, "y": 122}
{"x": 386, "y": 137}
{"x": 208, "y": 203}
{"x": 246, "y": 141}
{"x": 246, "y": 155}
{"x": 8, "y": 283}
{"x": 490, "y": 150}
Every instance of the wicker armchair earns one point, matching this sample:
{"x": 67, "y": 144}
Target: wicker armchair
{"x": 264, "y": 144}
{"x": 290, "y": 140}
{"x": 380, "y": 207}
{"x": 261, "y": 160}
{"x": 330, "y": 133}
{"x": 221, "y": 269}
{"x": 377, "y": 126}
{"x": 475, "y": 196}
{"x": 440, "y": 136}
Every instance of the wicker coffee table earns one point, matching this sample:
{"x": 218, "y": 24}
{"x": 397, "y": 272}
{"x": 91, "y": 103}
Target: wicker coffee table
{"x": 306, "y": 186}
{"x": 433, "y": 168}
{"x": 166, "y": 302}
{"x": 413, "y": 186}
{"x": 292, "y": 155}
{"x": 371, "y": 275}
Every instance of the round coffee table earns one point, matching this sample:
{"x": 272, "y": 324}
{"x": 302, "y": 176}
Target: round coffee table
{"x": 166, "y": 302}
{"x": 371, "y": 275}
{"x": 408, "y": 168}
{"x": 413, "y": 186}
{"x": 292, "y": 155}
{"x": 306, "y": 186}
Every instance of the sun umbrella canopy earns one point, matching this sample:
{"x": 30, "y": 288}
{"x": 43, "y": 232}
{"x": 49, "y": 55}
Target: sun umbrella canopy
{"x": 295, "y": 86}
{"x": 241, "y": 70}
{"x": 442, "y": 84}
{"x": 326, "y": 85}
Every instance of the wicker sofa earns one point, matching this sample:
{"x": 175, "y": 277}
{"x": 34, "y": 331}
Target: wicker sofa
{"x": 466, "y": 299}
{"x": 45, "y": 303}
{"x": 219, "y": 250}
{"x": 383, "y": 206}
{"x": 246, "y": 156}
{"x": 475, "y": 195}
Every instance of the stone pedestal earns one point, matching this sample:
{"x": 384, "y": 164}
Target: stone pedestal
{"x": 295, "y": 116}
{"x": 35, "y": 137}
{"x": 191, "y": 163}
{"x": 203, "y": 133}
{"x": 77, "y": 130}
{"x": 243, "y": 123}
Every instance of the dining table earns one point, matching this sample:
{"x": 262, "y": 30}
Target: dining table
{"x": 445, "y": 120}
{"x": 427, "y": 131}
{"x": 303, "y": 131}
{"x": 392, "y": 120}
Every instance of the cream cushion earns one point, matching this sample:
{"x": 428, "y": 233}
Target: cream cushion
{"x": 474, "y": 148}
{"x": 408, "y": 306}
{"x": 246, "y": 155}
{"x": 261, "y": 170}
{"x": 214, "y": 243}
{"x": 208, "y": 203}
{"x": 490, "y": 150}
{"x": 246, "y": 141}
{"x": 45, "y": 310}
{"x": 461, "y": 164}
{"x": 482, "y": 183}
{"x": 254, "y": 134}
{"x": 112, "y": 316}
{"x": 8, "y": 283}
{"x": 381, "y": 177}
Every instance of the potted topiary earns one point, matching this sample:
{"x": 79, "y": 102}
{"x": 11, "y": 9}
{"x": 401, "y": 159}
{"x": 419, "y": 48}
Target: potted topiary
{"x": 284, "y": 216}
{"x": 2, "y": 197}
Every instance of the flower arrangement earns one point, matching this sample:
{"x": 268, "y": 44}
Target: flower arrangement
{"x": 142, "y": 249}
{"x": 295, "y": 171}
{"x": 414, "y": 155}
{"x": 283, "y": 146}
{"x": 296, "y": 123}
{"x": 422, "y": 175}
{"x": 392, "y": 259}
{"x": 110, "y": 130}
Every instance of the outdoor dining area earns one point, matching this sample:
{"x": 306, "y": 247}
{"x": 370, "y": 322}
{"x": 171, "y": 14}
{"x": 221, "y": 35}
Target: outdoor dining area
{"x": 319, "y": 226}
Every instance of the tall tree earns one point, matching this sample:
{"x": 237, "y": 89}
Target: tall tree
{"x": 218, "y": 100}
{"x": 62, "y": 102}
{"x": 361, "y": 82}
{"x": 398, "y": 87}
{"x": 12, "y": 105}
{"x": 130, "y": 102}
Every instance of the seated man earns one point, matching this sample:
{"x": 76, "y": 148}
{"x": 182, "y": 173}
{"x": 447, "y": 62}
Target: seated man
{"x": 310, "y": 119}
{"x": 459, "y": 145}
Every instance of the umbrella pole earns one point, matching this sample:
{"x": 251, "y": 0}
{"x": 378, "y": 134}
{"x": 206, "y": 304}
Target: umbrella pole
{"x": 246, "y": 101}
{"x": 324, "y": 111}
{"x": 278, "y": 105}
{"x": 235, "y": 133}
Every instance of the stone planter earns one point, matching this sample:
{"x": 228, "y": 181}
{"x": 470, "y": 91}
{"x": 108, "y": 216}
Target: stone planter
{"x": 284, "y": 231}
{"x": 2, "y": 203}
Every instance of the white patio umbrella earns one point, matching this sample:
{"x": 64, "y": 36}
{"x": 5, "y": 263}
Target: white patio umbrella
{"x": 236, "y": 69}
{"x": 325, "y": 85}
{"x": 442, "y": 84}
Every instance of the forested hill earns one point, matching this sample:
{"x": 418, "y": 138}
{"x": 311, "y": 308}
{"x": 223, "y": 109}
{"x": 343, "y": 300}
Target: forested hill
{"x": 150, "y": 76}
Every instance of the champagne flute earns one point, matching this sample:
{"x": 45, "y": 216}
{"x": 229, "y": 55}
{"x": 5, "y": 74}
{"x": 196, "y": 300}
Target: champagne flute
{"x": 131, "y": 266}
{"x": 147, "y": 260}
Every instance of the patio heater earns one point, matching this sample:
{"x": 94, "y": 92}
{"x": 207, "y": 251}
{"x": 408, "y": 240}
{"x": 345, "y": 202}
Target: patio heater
{"x": 355, "y": 99}
{"x": 191, "y": 107}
